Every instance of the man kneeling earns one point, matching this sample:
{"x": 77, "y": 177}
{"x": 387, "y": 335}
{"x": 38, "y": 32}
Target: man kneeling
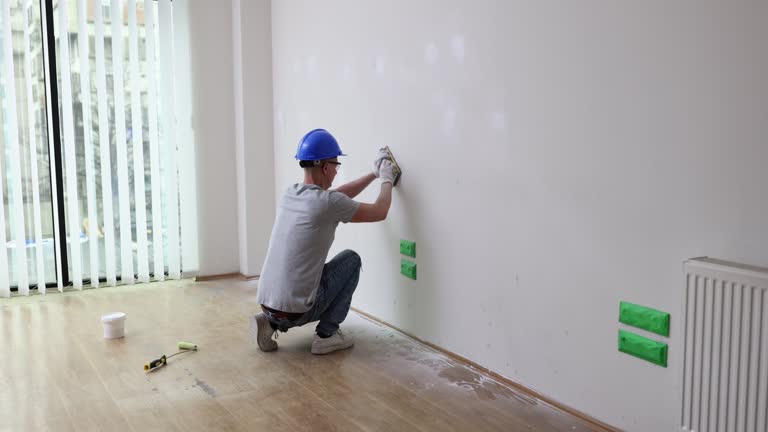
{"x": 297, "y": 286}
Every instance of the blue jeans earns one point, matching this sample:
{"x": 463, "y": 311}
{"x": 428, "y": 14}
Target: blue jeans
{"x": 333, "y": 298}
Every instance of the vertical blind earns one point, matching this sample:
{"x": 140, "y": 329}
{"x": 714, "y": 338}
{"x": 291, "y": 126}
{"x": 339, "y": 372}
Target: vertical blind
{"x": 112, "y": 213}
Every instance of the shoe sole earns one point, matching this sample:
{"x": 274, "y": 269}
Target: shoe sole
{"x": 255, "y": 335}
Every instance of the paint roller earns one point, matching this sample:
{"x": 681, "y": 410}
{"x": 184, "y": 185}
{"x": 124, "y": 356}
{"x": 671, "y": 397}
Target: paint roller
{"x": 163, "y": 360}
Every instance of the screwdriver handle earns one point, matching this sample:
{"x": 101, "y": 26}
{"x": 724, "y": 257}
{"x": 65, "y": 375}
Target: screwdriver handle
{"x": 154, "y": 364}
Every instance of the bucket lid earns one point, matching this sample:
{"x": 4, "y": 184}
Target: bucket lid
{"x": 113, "y": 316}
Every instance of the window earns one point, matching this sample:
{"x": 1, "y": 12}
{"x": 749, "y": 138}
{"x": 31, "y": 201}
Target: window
{"x": 114, "y": 214}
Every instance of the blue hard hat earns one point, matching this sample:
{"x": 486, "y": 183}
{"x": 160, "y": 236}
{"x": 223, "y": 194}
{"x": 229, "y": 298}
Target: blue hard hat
{"x": 318, "y": 144}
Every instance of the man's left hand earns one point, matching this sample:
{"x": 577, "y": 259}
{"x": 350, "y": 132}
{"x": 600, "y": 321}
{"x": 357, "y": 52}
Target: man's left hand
{"x": 381, "y": 156}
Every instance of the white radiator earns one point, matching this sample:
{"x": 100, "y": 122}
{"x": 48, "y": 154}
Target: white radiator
{"x": 725, "y": 343}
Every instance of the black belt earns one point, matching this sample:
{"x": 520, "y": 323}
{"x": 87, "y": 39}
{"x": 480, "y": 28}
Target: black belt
{"x": 292, "y": 316}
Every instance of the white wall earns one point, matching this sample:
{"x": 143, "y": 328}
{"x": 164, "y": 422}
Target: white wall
{"x": 559, "y": 157}
{"x": 231, "y": 74}
{"x": 213, "y": 114}
{"x": 185, "y": 141}
{"x": 237, "y": 80}
{"x": 253, "y": 101}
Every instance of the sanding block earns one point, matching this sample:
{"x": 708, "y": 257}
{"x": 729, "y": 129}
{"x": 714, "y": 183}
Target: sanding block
{"x": 397, "y": 170}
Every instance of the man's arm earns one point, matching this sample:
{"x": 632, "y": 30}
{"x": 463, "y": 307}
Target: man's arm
{"x": 377, "y": 211}
{"x": 353, "y": 188}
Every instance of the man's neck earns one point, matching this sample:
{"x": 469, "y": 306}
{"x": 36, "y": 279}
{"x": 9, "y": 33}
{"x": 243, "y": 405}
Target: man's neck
{"x": 310, "y": 180}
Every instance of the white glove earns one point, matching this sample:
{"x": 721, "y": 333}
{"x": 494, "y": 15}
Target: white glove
{"x": 387, "y": 171}
{"x": 381, "y": 156}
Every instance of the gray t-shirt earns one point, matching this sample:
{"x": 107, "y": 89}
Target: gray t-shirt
{"x": 301, "y": 238}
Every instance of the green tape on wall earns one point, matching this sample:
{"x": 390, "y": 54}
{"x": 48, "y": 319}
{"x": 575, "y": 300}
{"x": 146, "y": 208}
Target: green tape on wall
{"x": 645, "y": 318}
{"x": 408, "y": 268}
{"x": 408, "y": 248}
{"x": 642, "y": 347}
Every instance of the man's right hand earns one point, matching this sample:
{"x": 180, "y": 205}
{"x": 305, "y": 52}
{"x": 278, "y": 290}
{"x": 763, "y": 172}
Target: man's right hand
{"x": 387, "y": 171}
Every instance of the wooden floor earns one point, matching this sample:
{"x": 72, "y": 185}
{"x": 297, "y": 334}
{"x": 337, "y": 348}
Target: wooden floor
{"x": 58, "y": 373}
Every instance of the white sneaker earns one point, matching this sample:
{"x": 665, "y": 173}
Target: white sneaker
{"x": 262, "y": 332}
{"x": 335, "y": 342}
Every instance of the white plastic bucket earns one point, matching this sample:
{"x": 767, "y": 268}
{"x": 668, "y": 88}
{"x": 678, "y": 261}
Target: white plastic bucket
{"x": 114, "y": 325}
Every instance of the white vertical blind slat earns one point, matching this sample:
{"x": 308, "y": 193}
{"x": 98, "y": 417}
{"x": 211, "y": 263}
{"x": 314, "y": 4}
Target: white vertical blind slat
{"x": 137, "y": 137}
{"x": 90, "y": 181}
{"x": 70, "y": 159}
{"x": 154, "y": 154}
{"x": 34, "y": 171}
{"x": 5, "y": 17}
{"x": 105, "y": 152}
{"x": 16, "y": 204}
{"x": 165, "y": 19}
{"x": 123, "y": 183}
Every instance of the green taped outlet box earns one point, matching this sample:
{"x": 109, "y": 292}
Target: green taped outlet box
{"x": 642, "y": 347}
{"x": 408, "y": 248}
{"x": 408, "y": 268}
{"x": 644, "y": 318}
